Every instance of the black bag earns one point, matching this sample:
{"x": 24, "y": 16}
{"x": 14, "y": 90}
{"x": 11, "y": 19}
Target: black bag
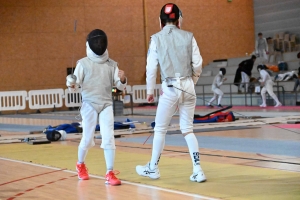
{"x": 283, "y": 66}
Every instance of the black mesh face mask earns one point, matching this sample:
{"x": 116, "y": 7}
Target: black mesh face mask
{"x": 97, "y": 40}
{"x": 223, "y": 70}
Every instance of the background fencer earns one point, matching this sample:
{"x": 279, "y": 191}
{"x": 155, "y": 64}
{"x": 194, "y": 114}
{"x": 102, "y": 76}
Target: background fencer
{"x": 218, "y": 93}
{"x": 96, "y": 74}
{"x": 267, "y": 83}
{"x": 177, "y": 54}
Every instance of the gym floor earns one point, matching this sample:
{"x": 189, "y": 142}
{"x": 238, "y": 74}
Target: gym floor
{"x": 242, "y": 159}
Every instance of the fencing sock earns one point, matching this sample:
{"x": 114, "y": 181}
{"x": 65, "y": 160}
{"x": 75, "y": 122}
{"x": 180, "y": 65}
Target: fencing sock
{"x": 263, "y": 96}
{"x": 81, "y": 155}
{"x": 212, "y": 99}
{"x": 109, "y": 155}
{"x": 275, "y": 98}
{"x": 192, "y": 143}
{"x": 219, "y": 99}
{"x": 158, "y": 146}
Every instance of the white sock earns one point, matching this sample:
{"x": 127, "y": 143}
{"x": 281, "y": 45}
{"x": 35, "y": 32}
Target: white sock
{"x": 109, "y": 155}
{"x": 275, "y": 98}
{"x": 219, "y": 99}
{"x": 81, "y": 155}
{"x": 192, "y": 143}
{"x": 263, "y": 96}
{"x": 158, "y": 146}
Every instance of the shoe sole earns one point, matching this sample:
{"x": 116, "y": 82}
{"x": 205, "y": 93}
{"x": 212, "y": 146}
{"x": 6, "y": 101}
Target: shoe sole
{"x": 154, "y": 178}
{"x": 147, "y": 176}
{"x": 107, "y": 183}
{"x": 201, "y": 181}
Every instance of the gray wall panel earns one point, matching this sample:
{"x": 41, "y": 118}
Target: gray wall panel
{"x": 273, "y": 16}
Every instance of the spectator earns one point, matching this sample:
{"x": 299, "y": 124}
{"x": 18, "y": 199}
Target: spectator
{"x": 244, "y": 72}
{"x": 273, "y": 51}
{"x": 261, "y": 47}
{"x": 297, "y": 81}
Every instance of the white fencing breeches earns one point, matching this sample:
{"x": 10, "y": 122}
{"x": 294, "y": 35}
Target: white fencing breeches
{"x": 217, "y": 93}
{"x": 245, "y": 81}
{"x": 89, "y": 122}
{"x": 170, "y": 100}
{"x": 268, "y": 88}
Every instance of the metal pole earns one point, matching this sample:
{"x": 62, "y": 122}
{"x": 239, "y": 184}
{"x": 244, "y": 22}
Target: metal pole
{"x": 251, "y": 96}
{"x": 230, "y": 94}
{"x": 203, "y": 95}
{"x": 283, "y": 95}
{"x": 245, "y": 94}
{"x": 278, "y": 94}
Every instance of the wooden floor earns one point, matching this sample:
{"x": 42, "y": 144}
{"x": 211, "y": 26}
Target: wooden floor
{"x": 47, "y": 171}
{"x": 30, "y": 181}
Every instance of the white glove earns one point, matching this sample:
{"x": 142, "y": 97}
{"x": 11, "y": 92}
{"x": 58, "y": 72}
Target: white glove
{"x": 71, "y": 82}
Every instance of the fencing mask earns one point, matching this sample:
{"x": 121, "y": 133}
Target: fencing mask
{"x": 170, "y": 13}
{"x": 53, "y": 136}
{"x": 97, "y": 40}
{"x": 223, "y": 70}
{"x": 261, "y": 67}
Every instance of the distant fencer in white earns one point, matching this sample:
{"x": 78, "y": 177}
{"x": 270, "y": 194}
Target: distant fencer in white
{"x": 218, "y": 93}
{"x": 267, "y": 84}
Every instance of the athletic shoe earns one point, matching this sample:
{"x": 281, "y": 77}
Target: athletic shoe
{"x": 220, "y": 106}
{"x": 82, "y": 171}
{"x": 146, "y": 171}
{"x": 111, "y": 179}
{"x": 263, "y": 105}
{"x": 278, "y": 105}
{"x": 209, "y": 106}
{"x": 198, "y": 177}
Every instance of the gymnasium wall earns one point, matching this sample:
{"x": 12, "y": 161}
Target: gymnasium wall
{"x": 37, "y": 39}
{"x": 274, "y": 16}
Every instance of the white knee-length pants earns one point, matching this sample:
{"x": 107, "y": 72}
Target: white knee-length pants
{"x": 170, "y": 100}
{"x": 89, "y": 122}
{"x": 245, "y": 81}
{"x": 217, "y": 93}
{"x": 268, "y": 88}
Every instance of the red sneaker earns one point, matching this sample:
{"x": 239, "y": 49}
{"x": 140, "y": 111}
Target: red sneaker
{"x": 111, "y": 179}
{"x": 82, "y": 171}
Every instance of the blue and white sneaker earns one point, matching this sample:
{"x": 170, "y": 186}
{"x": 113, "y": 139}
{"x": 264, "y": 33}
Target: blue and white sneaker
{"x": 146, "y": 171}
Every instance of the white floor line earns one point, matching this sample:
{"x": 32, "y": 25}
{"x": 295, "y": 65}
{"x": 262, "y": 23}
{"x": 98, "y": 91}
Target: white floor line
{"x": 127, "y": 182}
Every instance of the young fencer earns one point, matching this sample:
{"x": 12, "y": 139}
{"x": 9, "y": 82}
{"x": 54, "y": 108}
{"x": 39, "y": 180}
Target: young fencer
{"x": 267, "y": 83}
{"x": 175, "y": 52}
{"x": 218, "y": 93}
{"x": 96, "y": 74}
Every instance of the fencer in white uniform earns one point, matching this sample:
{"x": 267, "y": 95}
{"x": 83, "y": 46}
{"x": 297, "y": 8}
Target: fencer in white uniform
{"x": 218, "y": 93}
{"x": 267, "y": 83}
{"x": 176, "y": 54}
{"x": 96, "y": 74}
